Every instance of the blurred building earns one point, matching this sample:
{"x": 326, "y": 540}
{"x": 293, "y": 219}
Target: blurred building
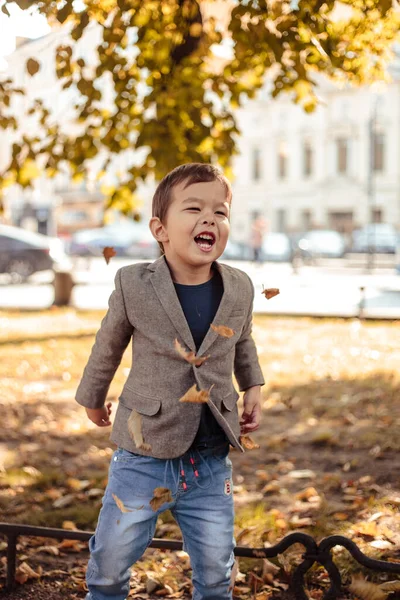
{"x": 297, "y": 170}
{"x": 305, "y": 171}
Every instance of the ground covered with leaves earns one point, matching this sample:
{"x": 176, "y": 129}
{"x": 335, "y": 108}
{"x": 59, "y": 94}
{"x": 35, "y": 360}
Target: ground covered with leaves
{"x": 328, "y": 460}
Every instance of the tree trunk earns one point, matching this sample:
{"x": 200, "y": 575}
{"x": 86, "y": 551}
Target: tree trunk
{"x": 63, "y": 285}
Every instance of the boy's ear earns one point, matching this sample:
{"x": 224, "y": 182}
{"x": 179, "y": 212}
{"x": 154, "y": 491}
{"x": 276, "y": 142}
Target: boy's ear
{"x": 158, "y": 230}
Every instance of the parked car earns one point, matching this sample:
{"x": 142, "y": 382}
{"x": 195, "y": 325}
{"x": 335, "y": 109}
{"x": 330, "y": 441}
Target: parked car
{"x": 236, "y": 251}
{"x": 277, "y": 248}
{"x": 376, "y": 237}
{"x": 320, "y": 243}
{"x": 132, "y": 240}
{"x": 23, "y": 253}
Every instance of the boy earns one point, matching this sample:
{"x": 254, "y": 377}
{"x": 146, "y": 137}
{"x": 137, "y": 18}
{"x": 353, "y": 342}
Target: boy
{"x": 173, "y": 310}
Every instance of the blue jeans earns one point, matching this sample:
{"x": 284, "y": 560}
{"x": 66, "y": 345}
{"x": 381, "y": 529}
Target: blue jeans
{"x": 202, "y": 505}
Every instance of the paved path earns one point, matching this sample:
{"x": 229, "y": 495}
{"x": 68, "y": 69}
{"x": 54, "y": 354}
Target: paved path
{"x": 320, "y": 291}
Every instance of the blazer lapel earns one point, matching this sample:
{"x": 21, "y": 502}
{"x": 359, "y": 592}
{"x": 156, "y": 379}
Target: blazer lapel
{"x": 165, "y": 290}
{"x": 226, "y": 305}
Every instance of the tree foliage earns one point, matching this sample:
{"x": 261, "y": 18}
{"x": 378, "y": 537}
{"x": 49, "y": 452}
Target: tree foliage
{"x": 172, "y": 99}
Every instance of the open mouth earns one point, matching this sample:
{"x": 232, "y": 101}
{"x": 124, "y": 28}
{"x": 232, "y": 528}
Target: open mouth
{"x": 205, "y": 241}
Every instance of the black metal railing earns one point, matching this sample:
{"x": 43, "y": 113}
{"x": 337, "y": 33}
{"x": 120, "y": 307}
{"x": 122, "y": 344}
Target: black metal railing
{"x": 314, "y": 553}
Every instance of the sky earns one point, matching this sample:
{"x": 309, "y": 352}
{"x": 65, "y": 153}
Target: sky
{"x": 22, "y": 23}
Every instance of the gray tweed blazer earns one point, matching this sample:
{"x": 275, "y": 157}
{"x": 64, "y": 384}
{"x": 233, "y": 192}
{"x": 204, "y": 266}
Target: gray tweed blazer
{"x": 144, "y": 306}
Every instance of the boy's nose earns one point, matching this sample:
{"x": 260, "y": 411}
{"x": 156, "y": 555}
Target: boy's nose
{"x": 208, "y": 221}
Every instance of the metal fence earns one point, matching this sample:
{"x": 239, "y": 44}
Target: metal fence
{"x": 319, "y": 553}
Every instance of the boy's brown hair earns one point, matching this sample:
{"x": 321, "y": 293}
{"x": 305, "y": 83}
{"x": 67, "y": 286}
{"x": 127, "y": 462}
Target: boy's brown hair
{"x": 190, "y": 173}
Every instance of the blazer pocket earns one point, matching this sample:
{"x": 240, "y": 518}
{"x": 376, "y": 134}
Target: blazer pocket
{"x": 142, "y": 404}
{"x": 230, "y": 400}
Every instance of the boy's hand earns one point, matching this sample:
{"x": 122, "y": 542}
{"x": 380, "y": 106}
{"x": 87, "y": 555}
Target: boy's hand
{"x": 100, "y": 416}
{"x": 251, "y": 416}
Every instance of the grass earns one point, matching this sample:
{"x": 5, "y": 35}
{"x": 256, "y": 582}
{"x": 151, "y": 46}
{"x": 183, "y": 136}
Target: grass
{"x": 330, "y": 407}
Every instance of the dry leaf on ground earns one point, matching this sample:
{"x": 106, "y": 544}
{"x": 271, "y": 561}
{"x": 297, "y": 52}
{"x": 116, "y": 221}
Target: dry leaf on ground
{"x": 248, "y": 443}
{"x": 365, "y": 590}
{"x": 135, "y": 431}
{"x": 222, "y": 330}
{"x": 270, "y": 293}
{"x": 25, "y": 572}
{"x": 191, "y": 358}
{"x": 161, "y": 495}
{"x": 108, "y": 253}
{"x": 196, "y": 396}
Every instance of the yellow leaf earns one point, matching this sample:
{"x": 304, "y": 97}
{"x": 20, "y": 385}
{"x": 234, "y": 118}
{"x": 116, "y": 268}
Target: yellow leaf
{"x": 28, "y": 171}
{"x": 222, "y": 330}
{"x": 191, "y": 358}
{"x": 25, "y": 572}
{"x": 248, "y": 443}
{"x": 135, "y": 431}
{"x": 196, "y": 396}
{"x": 161, "y": 495}
{"x": 70, "y": 525}
{"x": 120, "y": 504}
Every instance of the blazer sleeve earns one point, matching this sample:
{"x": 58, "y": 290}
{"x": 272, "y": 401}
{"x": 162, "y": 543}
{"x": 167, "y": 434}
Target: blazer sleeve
{"x": 246, "y": 366}
{"x": 111, "y": 341}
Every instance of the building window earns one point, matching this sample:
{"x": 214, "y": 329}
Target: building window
{"x": 378, "y": 149}
{"x": 377, "y": 215}
{"x": 306, "y": 218}
{"x": 281, "y": 220}
{"x": 342, "y": 221}
{"x": 342, "y": 149}
{"x": 256, "y": 164}
{"x": 282, "y": 160}
{"x": 307, "y": 158}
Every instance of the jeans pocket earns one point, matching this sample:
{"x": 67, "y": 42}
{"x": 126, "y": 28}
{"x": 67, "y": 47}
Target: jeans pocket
{"x": 122, "y": 455}
{"x": 223, "y": 459}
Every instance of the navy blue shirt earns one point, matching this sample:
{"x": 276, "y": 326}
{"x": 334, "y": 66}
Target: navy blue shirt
{"x": 200, "y": 304}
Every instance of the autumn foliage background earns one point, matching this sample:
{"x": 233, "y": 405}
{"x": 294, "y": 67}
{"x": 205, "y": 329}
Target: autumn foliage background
{"x": 327, "y": 462}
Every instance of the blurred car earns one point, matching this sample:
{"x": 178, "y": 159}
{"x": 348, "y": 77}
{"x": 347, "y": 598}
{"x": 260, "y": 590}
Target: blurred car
{"x": 320, "y": 243}
{"x": 23, "y": 253}
{"x": 133, "y": 240}
{"x": 236, "y": 251}
{"x": 276, "y": 247}
{"x": 376, "y": 237}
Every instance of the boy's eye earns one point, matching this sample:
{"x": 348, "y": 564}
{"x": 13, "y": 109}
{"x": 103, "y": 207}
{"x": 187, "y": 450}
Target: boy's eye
{"x": 193, "y": 208}
{"x": 219, "y": 212}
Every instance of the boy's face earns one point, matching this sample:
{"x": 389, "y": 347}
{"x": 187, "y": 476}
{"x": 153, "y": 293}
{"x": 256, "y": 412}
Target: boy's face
{"x": 196, "y": 227}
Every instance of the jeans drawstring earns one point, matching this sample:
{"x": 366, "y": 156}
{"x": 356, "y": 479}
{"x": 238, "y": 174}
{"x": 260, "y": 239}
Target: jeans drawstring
{"x": 169, "y": 463}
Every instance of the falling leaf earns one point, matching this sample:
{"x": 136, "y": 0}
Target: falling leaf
{"x": 248, "y": 443}
{"x": 222, "y": 330}
{"x": 161, "y": 495}
{"x": 270, "y": 292}
{"x": 365, "y": 590}
{"x": 120, "y": 504}
{"x": 108, "y": 253}
{"x": 135, "y": 431}
{"x": 196, "y": 396}
{"x": 191, "y": 358}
